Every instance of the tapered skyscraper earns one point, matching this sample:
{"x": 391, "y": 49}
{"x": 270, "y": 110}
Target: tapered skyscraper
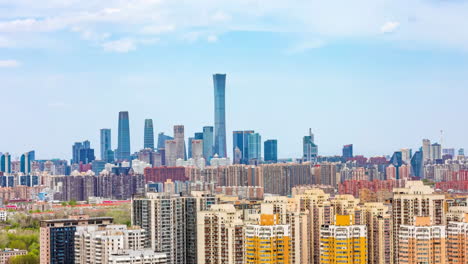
{"x": 219, "y": 82}
{"x": 123, "y": 147}
{"x": 149, "y": 134}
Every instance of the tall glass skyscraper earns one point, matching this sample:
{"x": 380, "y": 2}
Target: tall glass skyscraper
{"x": 208, "y": 143}
{"x": 5, "y": 163}
{"x": 237, "y": 143}
{"x": 271, "y": 151}
{"x": 123, "y": 147}
{"x": 219, "y": 81}
{"x": 105, "y": 143}
{"x": 149, "y": 134}
{"x": 255, "y": 147}
{"x": 26, "y": 160}
{"x": 245, "y": 151}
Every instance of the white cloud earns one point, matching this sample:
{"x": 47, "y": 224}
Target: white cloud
{"x": 9, "y": 63}
{"x": 305, "y": 45}
{"x": 127, "y": 44}
{"x": 212, "y": 38}
{"x": 121, "y": 45}
{"x": 389, "y": 27}
{"x": 157, "y": 29}
{"x": 432, "y": 23}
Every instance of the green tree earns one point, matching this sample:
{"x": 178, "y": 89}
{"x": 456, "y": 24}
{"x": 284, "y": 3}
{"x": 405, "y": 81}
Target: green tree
{"x": 17, "y": 244}
{"x": 26, "y": 259}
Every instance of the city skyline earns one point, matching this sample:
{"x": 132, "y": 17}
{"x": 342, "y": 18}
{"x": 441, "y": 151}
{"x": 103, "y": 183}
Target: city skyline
{"x": 229, "y": 134}
{"x": 380, "y": 82}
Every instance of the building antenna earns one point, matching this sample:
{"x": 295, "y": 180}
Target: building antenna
{"x": 442, "y": 138}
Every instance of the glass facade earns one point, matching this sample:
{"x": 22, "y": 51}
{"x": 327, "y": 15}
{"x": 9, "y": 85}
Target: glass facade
{"x": 417, "y": 164}
{"x": 123, "y": 147}
{"x": 255, "y": 147}
{"x": 208, "y": 143}
{"x": 219, "y": 81}
{"x": 271, "y": 151}
{"x": 347, "y": 151}
{"x": 237, "y": 142}
{"x": 149, "y": 134}
{"x": 5, "y": 163}
{"x": 162, "y": 140}
{"x": 105, "y": 143}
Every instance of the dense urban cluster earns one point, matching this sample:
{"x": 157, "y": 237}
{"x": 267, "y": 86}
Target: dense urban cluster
{"x": 191, "y": 203}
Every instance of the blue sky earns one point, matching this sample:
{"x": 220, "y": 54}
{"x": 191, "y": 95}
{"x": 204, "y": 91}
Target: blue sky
{"x": 379, "y": 74}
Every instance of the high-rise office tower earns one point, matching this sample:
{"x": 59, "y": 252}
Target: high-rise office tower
{"x": 219, "y": 81}
{"x": 208, "y": 146}
{"x": 123, "y": 146}
{"x": 422, "y": 242}
{"x": 179, "y": 137}
{"x": 163, "y": 217}
{"x": 5, "y": 163}
{"x": 417, "y": 164}
{"x": 106, "y": 145}
{"x": 57, "y": 238}
{"x": 436, "y": 151}
{"x": 255, "y": 147}
{"x": 25, "y": 162}
{"x": 267, "y": 242}
{"x": 271, "y": 151}
{"x": 82, "y": 152}
{"x": 197, "y": 149}
{"x": 245, "y": 150}
{"x": 426, "y": 149}
{"x": 149, "y": 134}
{"x": 310, "y": 149}
{"x": 170, "y": 153}
{"x": 347, "y": 151}
{"x": 189, "y": 152}
{"x": 406, "y": 155}
{"x": 162, "y": 140}
{"x": 237, "y": 143}
{"x": 461, "y": 152}
{"x": 343, "y": 242}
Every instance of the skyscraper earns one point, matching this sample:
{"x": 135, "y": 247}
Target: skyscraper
{"x": 106, "y": 145}
{"x": 208, "y": 142}
{"x": 162, "y": 140}
{"x": 123, "y": 147}
{"x": 310, "y": 149}
{"x": 237, "y": 143}
{"x": 255, "y": 147}
{"x": 26, "y": 160}
{"x": 426, "y": 149}
{"x": 179, "y": 137}
{"x": 82, "y": 152}
{"x": 149, "y": 134}
{"x": 245, "y": 151}
{"x": 5, "y": 163}
{"x": 271, "y": 150}
{"x": 417, "y": 164}
{"x": 219, "y": 81}
{"x": 347, "y": 151}
{"x": 436, "y": 151}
